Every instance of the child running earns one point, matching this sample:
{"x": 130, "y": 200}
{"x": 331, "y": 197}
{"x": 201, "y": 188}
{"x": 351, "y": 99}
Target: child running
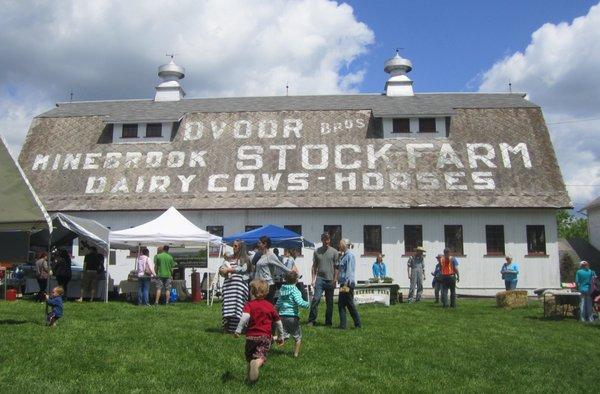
{"x": 288, "y": 302}
{"x": 55, "y": 301}
{"x": 259, "y": 315}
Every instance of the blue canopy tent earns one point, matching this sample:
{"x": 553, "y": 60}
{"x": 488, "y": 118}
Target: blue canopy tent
{"x": 280, "y": 237}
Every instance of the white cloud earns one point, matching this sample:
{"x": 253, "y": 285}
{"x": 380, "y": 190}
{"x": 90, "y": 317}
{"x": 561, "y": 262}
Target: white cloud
{"x": 111, "y": 50}
{"x": 559, "y": 70}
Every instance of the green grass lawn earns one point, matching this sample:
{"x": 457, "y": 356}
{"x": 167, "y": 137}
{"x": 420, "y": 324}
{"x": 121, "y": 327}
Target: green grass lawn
{"x": 118, "y": 347}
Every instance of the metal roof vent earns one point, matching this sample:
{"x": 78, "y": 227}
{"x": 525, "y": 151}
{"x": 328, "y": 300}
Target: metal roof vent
{"x": 399, "y": 84}
{"x": 169, "y": 88}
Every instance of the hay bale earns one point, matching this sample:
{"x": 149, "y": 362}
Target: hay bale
{"x": 511, "y": 299}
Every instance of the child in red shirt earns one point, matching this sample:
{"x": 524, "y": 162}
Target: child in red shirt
{"x": 260, "y": 314}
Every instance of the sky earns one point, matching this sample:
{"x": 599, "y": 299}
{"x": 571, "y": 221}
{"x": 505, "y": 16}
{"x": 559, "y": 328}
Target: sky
{"x": 101, "y": 50}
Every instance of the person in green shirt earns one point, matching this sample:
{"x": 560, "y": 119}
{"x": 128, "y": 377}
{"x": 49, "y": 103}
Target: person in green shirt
{"x": 163, "y": 266}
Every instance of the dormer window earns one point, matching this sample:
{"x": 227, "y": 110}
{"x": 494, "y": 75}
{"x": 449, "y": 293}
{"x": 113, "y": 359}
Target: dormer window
{"x": 416, "y": 127}
{"x": 135, "y": 133}
{"x": 154, "y": 130}
{"x": 427, "y": 125}
{"x": 401, "y": 125}
{"x": 130, "y": 130}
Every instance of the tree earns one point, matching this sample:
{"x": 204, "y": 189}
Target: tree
{"x": 570, "y": 226}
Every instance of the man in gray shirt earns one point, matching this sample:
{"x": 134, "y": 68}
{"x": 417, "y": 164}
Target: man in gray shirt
{"x": 324, "y": 278}
{"x": 416, "y": 274}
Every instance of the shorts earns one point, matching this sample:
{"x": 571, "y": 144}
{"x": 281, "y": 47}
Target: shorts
{"x": 89, "y": 281}
{"x": 257, "y": 348}
{"x": 163, "y": 284}
{"x": 291, "y": 327}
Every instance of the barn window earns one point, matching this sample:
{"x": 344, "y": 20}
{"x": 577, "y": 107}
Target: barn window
{"x": 453, "y": 235}
{"x": 372, "y": 239}
{"x": 427, "y": 125}
{"x": 401, "y": 125}
{"x": 153, "y": 130}
{"x": 218, "y": 231}
{"x": 293, "y": 227}
{"x": 335, "y": 233}
{"x": 250, "y": 228}
{"x": 130, "y": 130}
{"x": 413, "y": 237}
{"x": 536, "y": 240}
{"x": 494, "y": 239}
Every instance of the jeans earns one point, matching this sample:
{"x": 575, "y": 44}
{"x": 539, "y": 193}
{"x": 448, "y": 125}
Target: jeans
{"x": 43, "y": 284}
{"x": 437, "y": 287}
{"x": 63, "y": 281}
{"x": 346, "y": 300}
{"x": 322, "y": 285}
{"x": 585, "y": 307}
{"x": 143, "y": 289}
{"x": 416, "y": 282}
{"x": 510, "y": 284}
{"x": 449, "y": 283}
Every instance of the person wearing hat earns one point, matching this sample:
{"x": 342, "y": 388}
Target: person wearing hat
{"x": 416, "y": 274}
{"x": 347, "y": 281}
{"x": 584, "y": 278}
{"x": 450, "y": 276}
{"x": 324, "y": 275}
{"x": 509, "y": 272}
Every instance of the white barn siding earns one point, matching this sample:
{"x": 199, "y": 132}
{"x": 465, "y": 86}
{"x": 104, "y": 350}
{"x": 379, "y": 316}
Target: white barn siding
{"x": 594, "y": 226}
{"x": 479, "y": 274}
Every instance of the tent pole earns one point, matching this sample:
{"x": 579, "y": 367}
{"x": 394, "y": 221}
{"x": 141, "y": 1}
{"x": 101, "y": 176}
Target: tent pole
{"x": 106, "y": 273}
{"x": 209, "y": 290}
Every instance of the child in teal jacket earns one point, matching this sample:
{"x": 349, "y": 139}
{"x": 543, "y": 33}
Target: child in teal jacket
{"x": 290, "y": 299}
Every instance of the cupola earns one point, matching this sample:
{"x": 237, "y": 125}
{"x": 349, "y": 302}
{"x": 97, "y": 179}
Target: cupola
{"x": 169, "y": 88}
{"x": 399, "y": 84}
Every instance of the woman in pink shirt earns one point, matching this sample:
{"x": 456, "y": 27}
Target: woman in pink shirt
{"x": 144, "y": 273}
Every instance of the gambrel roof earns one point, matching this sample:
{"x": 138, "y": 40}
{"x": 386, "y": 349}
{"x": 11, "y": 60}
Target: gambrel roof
{"x": 297, "y": 151}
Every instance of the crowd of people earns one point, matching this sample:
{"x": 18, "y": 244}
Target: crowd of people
{"x": 60, "y": 266}
{"x": 161, "y": 273}
{"x": 262, "y": 295}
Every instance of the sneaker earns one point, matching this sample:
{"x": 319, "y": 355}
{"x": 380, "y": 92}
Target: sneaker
{"x": 253, "y": 372}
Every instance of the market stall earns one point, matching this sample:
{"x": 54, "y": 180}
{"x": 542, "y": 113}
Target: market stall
{"x": 65, "y": 229}
{"x": 170, "y": 228}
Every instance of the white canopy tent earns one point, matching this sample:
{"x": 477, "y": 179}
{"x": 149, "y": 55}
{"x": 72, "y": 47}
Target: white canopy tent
{"x": 170, "y": 228}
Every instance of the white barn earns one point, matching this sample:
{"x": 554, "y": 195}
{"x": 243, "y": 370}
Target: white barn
{"x": 593, "y": 214}
{"x": 471, "y": 171}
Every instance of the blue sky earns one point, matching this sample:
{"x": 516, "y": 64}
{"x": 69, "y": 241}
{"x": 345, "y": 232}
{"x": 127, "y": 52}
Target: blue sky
{"x": 452, "y": 42}
{"x": 110, "y": 49}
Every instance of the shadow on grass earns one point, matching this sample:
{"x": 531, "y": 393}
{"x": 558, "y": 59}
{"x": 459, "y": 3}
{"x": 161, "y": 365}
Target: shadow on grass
{"x": 550, "y": 318}
{"x": 13, "y": 322}
{"x": 215, "y": 330}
